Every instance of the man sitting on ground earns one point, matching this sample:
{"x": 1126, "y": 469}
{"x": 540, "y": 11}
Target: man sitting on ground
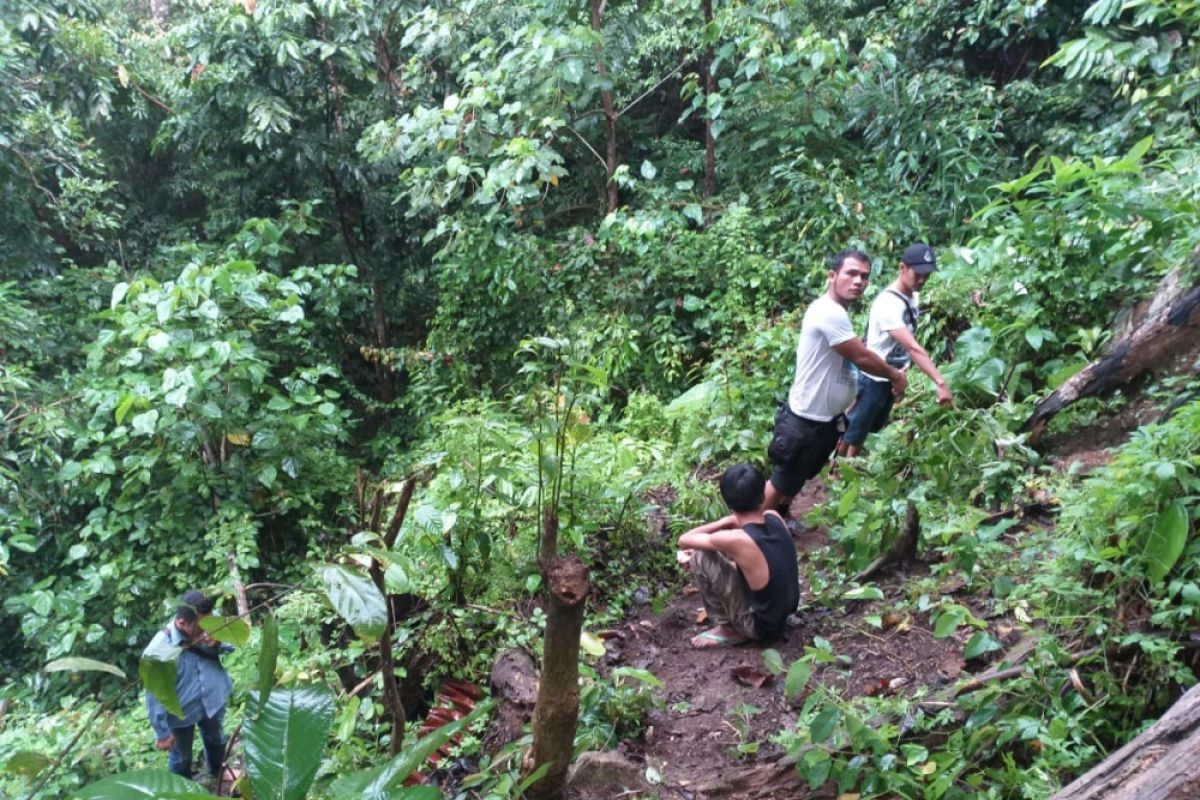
{"x": 744, "y": 565}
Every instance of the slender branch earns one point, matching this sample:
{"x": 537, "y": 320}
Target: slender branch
{"x": 591, "y": 149}
{"x": 646, "y": 93}
{"x": 154, "y": 99}
{"x": 86, "y": 726}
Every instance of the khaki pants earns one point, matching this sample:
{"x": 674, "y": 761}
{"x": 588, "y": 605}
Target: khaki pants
{"x": 724, "y": 592}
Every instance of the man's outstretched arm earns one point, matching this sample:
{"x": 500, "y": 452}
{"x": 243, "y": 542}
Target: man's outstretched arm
{"x": 855, "y": 351}
{"x": 924, "y": 363}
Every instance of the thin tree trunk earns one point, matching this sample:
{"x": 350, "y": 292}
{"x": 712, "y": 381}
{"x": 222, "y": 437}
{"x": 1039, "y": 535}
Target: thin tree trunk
{"x": 387, "y": 660}
{"x": 557, "y": 711}
{"x": 610, "y": 113}
{"x": 710, "y": 87}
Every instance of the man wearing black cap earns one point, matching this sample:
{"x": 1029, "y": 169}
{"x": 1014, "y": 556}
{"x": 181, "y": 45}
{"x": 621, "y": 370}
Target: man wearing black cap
{"x": 890, "y": 331}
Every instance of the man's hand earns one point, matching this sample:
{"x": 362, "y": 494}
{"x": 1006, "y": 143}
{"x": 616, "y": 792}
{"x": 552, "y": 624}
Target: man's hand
{"x": 944, "y": 396}
{"x": 899, "y": 383}
{"x": 167, "y": 743}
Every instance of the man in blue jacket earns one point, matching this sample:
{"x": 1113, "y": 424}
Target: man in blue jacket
{"x": 202, "y": 685}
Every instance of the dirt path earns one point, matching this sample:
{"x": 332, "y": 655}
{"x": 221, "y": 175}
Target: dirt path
{"x": 713, "y": 732}
{"x": 714, "y": 727}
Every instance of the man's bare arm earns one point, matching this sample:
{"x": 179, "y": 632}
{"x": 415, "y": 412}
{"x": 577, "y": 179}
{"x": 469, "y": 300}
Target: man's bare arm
{"x": 924, "y": 363}
{"x": 854, "y": 350}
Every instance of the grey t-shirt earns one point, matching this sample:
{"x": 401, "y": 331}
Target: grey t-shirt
{"x": 888, "y": 313}
{"x": 824, "y": 384}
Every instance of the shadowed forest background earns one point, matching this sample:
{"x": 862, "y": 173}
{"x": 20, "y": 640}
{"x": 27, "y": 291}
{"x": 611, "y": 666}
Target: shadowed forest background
{"x": 362, "y": 313}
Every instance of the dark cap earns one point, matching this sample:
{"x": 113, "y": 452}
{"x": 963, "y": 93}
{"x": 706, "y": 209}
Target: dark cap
{"x": 919, "y": 258}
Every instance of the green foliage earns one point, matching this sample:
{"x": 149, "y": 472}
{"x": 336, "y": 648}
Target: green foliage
{"x": 148, "y": 783}
{"x": 357, "y": 600}
{"x": 252, "y": 249}
{"x": 284, "y": 741}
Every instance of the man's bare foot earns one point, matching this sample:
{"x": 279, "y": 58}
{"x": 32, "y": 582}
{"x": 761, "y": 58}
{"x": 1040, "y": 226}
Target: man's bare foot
{"x": 720, "y": 636}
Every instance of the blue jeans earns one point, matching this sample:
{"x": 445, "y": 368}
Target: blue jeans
{"x": 179, "y": 760}
{"x": 870, "y": 411}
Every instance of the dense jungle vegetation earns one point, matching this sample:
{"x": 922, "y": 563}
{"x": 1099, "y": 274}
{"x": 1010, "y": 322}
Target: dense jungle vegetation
{"x": 305, "y": 299}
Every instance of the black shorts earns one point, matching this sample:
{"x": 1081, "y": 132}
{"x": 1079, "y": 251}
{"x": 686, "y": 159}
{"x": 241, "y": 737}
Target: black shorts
{"x": 800, "y": 447}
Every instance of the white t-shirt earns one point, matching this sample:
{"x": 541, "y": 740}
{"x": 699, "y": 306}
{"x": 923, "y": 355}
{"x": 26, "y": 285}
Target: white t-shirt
{"x": 824, "y": 385}
{"x": 887, "y": 314}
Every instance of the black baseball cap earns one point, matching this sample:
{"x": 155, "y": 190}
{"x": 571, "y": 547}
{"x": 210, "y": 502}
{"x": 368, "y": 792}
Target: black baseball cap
{"x": 919, "y": 258}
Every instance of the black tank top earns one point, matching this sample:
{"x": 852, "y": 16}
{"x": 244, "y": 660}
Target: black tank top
{"x": 781, "y": 596}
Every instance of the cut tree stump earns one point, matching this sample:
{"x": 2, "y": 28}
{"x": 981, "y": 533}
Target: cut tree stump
{"x": 1161, "y": 327}
{"x": 1161, "y": 764}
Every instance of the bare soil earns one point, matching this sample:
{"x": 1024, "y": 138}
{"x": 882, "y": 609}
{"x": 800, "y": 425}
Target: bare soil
{"x": 714, "y": 724}
{"x": 720, "y": 710}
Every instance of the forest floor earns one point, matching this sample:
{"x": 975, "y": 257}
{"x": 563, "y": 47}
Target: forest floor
{"x": 712, "y": 733}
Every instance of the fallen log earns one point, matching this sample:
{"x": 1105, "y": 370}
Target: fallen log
{"x": 1170, "y": 322}
{"x": 1163, "y": 763}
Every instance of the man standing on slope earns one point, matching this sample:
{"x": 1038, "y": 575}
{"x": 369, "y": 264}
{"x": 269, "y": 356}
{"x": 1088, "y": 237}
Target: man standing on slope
{"x": 202, "y": 685}
{"x": 807, "y": 426}
{"x": 890, "y": 332}
{"x": 744, "y": 565}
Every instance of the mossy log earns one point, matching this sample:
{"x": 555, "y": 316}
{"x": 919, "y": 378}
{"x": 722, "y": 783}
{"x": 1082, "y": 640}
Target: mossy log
{"x": 1166, "y": 324}
{"x": 1163, "y": 763}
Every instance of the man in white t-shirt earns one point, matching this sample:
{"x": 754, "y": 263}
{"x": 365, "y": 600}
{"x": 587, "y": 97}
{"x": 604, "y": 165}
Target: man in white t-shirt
{"x": 890, "y": 330}
{"x": 807, "y": 426}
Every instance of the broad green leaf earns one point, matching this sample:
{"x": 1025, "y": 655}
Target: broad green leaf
{"x": 798, "y": 675}
{"x": 979, "y": 644}
{"x": 1166, "y": 542}
{"x": 27, "y": 763}
{"x": 157, "y": 671}
{"x": 773, "y": 660}
{"x": 823, "y": 725}
{"x": 78, "y": 664}
{"x": 591, "y": 644}
{"x": 124, "y": 407}
{"x": 378, "y": 783}
{"x": 118, "y": 294}
{"x": 355, "y": 597}
{"x": 948, "y": 622}
{"x": 572, "y": 70}
{"x": 816, "y": 765}
{"x": 145, "y": 422}
{"x": 268, "y": 656}
{"x": 230, "y": 630}
{"x": 693, "y": 212}
{"x": 285, "y": 742}
{"x": 864, "y": 593}
{"x": 649, "y": 170}
{"x": 914, "y": 754}
{"x": 143, "y": 783}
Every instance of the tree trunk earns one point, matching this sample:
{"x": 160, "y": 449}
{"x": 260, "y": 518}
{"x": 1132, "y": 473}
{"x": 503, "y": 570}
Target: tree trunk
{"x": 610, "y": 113}
{"x": 1161, "y": 764}
{"x": 557, "y": 710}
{"x": 387, "y": 660}
{"x": 1171, "y": 323}
{"x": 710, "y": 86}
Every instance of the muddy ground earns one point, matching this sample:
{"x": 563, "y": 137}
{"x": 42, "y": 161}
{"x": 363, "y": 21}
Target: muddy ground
{"x": 713, "y": 727}
{"x": 711, "y": 732}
